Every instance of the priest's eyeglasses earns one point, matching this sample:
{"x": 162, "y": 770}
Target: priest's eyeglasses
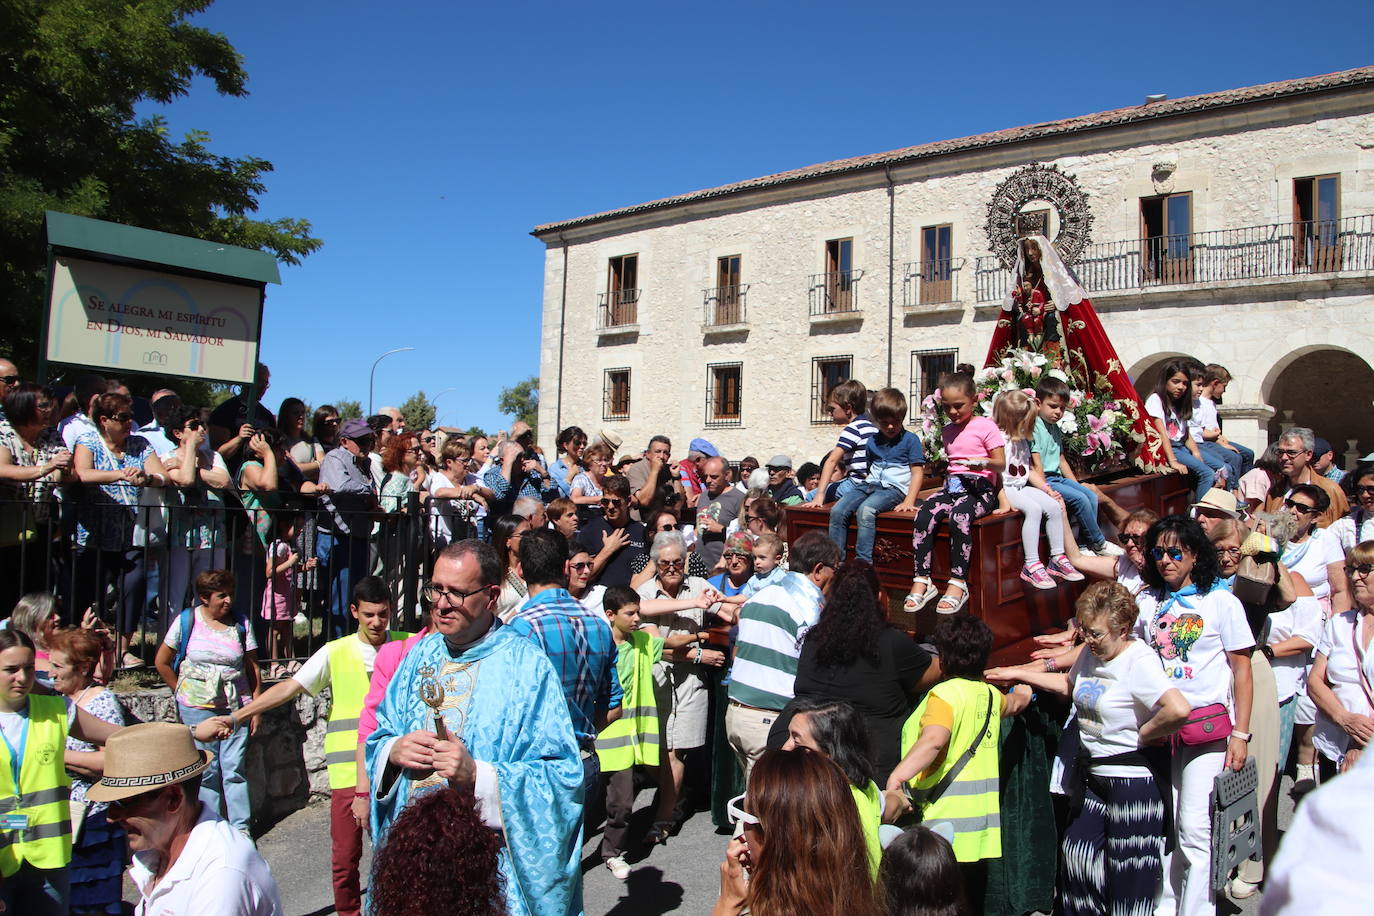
{"x": 452, "y": 597}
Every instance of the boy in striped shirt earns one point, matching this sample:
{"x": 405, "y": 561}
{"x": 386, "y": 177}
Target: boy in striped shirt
{"x": 847, "y": 406}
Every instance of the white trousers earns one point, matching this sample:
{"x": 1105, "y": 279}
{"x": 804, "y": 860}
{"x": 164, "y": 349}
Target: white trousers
{"x": 1187, "y": 869}
{"x": 1035, "y": 505}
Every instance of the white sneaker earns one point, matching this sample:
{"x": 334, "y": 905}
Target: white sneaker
{"x": 1240, "y": 889}
{"x": 619, "y": 867}
{"x": 1306, "y": 779}
{"x": 1108, "y": 549}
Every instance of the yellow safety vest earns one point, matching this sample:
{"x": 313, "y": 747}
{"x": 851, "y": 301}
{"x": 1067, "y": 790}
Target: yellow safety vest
{"x": 971, "y": 803}
{"x": 348, "y": 684}
{"x": 634, "y": 737}
{"x": 45, "y": 840}
{"x": 869, "y": 801}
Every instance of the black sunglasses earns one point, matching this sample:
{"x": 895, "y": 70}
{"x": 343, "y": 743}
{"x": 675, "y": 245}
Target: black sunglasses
{"x": 1363, "y": 490}
{"x": 1299, "y": 507}
{"x": 1132, "y": 539}
{"x": 10, "y": 379}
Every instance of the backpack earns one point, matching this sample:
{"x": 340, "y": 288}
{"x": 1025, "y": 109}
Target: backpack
{"x": 187, "y": 623}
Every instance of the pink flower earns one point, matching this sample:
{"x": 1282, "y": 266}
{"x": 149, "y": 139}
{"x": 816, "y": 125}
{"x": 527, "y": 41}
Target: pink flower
{"x": 1008, "y": 376}
{"x": 1028, "y": 392}
{"x": 1035, "y": 371}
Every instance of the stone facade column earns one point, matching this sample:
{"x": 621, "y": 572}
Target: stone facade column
{"x": 1247, "y": 424}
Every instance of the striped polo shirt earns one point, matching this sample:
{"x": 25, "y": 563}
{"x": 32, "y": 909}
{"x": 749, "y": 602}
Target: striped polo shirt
{"x": 771, "y": 627}
{"x": 854, "y": 442}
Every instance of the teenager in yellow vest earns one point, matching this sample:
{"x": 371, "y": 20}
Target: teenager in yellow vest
{"x": 35, "y": 817}
{"x": 632, "y": 739}
{"x": 345, "y": 667}
{"x": 960, "y": 713}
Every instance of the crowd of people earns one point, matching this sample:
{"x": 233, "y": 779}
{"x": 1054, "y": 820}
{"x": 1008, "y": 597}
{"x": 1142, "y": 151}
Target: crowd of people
{"x": 604, "y": 618}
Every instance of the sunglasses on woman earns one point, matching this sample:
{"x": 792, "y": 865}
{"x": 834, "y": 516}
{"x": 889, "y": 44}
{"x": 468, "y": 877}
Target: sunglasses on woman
{"x": 1173, "y": 553}
{"x": 734, "y": 809}
{"x": 1299, "y": 507}
{"x": 1132, "y": 539}
{"x": 1361, "y": 571}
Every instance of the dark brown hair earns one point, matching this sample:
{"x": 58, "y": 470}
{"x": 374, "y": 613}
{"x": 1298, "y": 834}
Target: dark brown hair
{"x": 814, "y": 858}
{"x": 214, "y": 580}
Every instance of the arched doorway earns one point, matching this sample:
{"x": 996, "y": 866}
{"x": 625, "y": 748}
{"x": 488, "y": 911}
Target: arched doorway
{"x": 1327, "y": 389}
{"x": 1145, "y": 373}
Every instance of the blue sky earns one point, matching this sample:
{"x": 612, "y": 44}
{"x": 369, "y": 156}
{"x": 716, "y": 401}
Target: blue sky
{"x": 424, "y": 140}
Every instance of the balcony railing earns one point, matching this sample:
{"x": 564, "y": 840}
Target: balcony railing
{"x": 1202, "y": 258}
{"x": 724, "y": 306}
{"x": 617, "y": 308}
{"x": 931, "y": 282}
{"x": 835, "y": 293}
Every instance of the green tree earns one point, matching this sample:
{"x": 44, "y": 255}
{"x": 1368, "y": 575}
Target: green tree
{"x": 521, "y": 401}
{"x": 473, "y": 432}
{"x": 350, "y": 410}
{"x": 418, "y": 411}
{"x": 74, "y": 71}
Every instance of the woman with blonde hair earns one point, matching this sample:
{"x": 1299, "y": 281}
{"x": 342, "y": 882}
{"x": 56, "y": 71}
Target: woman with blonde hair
{"x": 802, "y": 843}
{"x": 1340, "y": 683}
{"x": 1124, "y": 703}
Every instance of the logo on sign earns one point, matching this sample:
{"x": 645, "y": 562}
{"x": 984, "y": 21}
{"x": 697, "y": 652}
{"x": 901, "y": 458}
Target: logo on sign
{"x": 154, "y": 358}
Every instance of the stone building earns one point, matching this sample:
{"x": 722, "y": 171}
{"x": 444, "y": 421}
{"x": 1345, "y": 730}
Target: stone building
{"x": 1237, "y": 227}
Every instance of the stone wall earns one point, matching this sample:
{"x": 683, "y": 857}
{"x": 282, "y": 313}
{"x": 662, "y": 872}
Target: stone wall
{"x": 1238, "y": 165}
{"x": 285, "y": 758}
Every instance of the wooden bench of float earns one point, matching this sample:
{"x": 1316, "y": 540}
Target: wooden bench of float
{"x": 1015, "y": 611}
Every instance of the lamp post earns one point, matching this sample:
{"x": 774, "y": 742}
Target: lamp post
{"x": 373, "y": 374}
{"x": 434, "y": 402}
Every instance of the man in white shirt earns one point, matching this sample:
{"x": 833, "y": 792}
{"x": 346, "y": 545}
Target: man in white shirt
{"x": 185, "y": 858}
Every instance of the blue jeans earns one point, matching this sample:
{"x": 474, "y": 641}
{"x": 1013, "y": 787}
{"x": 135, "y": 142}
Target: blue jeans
{"x": 343, "y": 561}
{"x": 1214, "y": 459}
{"x": 224, "y": 786}
{"x": 867, "y": 500}
{"x": 1212, "y": 452}
{"x": 1082, "y": 505}
{"x": 1198, "y": 472}
{"x": 36, "y": 891}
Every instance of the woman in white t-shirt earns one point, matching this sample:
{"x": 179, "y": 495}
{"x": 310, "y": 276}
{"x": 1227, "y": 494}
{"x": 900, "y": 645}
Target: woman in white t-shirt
{"x": 1123, "y": 703}
{"x": 1340, "y": 681}
{"x": 1171, "y": 406}
{"x": 1312, "y": 552}
{"x": 1201, "y": 636}
{"x": 1358, "y": 525}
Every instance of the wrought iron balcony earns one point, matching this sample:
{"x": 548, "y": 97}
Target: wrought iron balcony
{"x": 724, "y": 306}
{"x": 835, "y": 293}
{"x": 931, "y": 283}
{"x": 617, "y": 309}
{"x": 1294, "y": 249}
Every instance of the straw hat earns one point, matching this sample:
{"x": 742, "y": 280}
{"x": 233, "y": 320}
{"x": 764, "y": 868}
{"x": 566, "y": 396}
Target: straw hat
{"x": 148, "y": 756}
{"x": 1219, "y": 500}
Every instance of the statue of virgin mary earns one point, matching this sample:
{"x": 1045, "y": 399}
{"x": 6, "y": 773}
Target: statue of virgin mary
{"x": 1046, "y": 310}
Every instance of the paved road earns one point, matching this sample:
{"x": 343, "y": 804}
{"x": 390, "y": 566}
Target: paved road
{"x": 681, "y": 877}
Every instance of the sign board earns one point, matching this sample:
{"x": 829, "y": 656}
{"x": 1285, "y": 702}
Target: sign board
{"x": 135, "y": 319}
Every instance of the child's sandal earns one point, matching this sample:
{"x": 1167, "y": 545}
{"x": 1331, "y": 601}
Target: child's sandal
{"x": 950, "y": 604}
{"x": 915, "y": 602}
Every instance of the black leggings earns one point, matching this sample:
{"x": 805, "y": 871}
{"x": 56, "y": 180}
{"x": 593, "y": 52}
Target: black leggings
{"x": 963, "y": 508}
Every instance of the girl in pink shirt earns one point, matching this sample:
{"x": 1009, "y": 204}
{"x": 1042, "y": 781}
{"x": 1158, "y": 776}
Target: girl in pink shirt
{"x": 975, "y": 450}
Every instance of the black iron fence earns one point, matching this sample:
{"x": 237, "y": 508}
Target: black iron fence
{"x": 135, "y": 566}
{"x": 1295, "y": 249}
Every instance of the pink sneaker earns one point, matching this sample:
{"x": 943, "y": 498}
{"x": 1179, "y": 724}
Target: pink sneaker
{"x": 1060, "y": 567}
{"x": 1036, "y": 576}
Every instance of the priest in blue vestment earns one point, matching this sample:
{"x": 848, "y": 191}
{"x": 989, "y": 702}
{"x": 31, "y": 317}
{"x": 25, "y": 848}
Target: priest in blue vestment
{"x": 510, "y": 736}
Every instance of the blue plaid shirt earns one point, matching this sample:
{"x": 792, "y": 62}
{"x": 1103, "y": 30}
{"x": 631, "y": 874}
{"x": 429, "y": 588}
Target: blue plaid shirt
{"x": 579, "y": 644}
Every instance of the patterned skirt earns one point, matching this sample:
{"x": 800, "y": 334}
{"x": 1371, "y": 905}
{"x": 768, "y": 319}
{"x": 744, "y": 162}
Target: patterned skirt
{"x": 1113, "y": 849}
{"x": 97, "y": 869}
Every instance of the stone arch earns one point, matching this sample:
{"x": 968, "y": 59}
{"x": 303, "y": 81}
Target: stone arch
{"x": 1327, "y": 388}
{"x": 1144, "y": 372}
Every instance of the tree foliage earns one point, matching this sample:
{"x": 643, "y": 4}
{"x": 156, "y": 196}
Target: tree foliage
{"x": 474, "y": 432}
{"x": 349, "y": 410}
{"x": 521, "y": 401}
{"x": 74, "y": 71}
{"x": 418, "y": 411}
